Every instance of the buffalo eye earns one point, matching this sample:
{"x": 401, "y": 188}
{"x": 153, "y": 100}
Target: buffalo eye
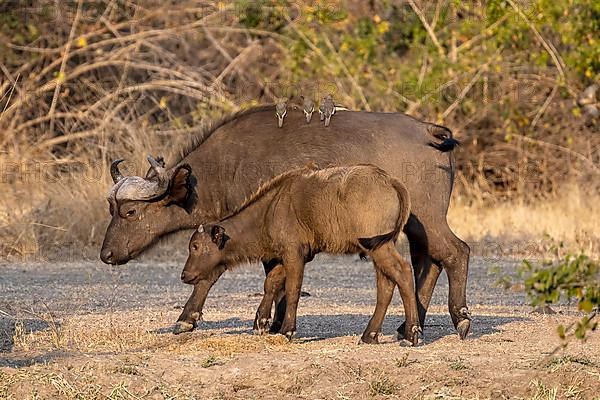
{"x": 195, "y": 246}
{"x": 130, "y": 213}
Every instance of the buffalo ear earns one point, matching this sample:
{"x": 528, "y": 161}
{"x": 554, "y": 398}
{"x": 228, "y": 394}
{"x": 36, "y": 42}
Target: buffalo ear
{"x": 218, "y": 235}
{"x": 180, "y": 186}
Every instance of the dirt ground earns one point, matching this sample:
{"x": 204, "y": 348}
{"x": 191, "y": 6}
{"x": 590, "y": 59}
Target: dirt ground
{"x": 87, "y": 331}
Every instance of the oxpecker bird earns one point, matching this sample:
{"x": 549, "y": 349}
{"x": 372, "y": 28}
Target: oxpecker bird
{"x": 308, "y": 108}
{"x": 281, "y": 111}
{"x": 327, "y": 109}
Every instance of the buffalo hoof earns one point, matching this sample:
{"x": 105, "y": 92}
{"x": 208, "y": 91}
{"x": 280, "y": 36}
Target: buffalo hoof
{"x": 415, "y": 338}
{"x": 183, "y": 326}
{"x": 464, "y": 326}
{"x": 289, "y": 335}
{"x": 369, "y": 338}
{"x": 262, "y": 325}
{"x": 288, "y": 330}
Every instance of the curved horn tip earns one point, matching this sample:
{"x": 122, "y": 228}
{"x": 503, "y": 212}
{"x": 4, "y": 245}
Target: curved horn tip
{"x": 114, "y": 170}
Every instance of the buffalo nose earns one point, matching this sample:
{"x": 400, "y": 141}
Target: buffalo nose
{"x": 187, "y": 277}
{"x": 107, "y": 256}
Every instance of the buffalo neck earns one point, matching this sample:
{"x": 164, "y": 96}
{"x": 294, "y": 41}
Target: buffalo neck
{"x": 246, "y": 231}
{"x": 179, "y": 219}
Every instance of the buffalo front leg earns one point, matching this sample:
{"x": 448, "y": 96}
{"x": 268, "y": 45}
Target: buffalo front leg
{"x": 273, "y": 287}
{"x": 385, "y": 292}
{"x": 192, "y": 311}
{"x": 279, "y": 296}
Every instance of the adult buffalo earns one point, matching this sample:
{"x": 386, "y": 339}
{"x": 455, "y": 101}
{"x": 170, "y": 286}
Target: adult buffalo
{"x": 216, "y": 173}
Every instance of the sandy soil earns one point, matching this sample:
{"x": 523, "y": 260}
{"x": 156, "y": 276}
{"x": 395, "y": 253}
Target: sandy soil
{"x": 87, "y": 331}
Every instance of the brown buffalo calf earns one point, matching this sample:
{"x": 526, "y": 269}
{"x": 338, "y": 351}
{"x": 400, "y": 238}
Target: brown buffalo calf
{"x": 339, "y": 210}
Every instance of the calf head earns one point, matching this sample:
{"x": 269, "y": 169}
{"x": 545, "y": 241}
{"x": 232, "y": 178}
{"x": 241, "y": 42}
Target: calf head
{"x": 143, "y": 209}
{"x": 205, "y": 253}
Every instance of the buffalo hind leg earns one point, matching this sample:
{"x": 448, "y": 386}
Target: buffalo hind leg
{"x": 273, "y": 287}
{"x": 385, "y": 291}
{"x": 447, "y": 252}
{"x": 192, "y": 311}
{"x": 453, "y": 256}
{"x": 399, "y": 270}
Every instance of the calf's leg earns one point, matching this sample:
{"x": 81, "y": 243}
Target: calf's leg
{"x": 294, "y": 272}
{"x": 400, "y": 271}
{"x": 385, "y": 291}
{"x": 273, "y": 287}
{"x": 280, "y": 302}
{"x": 192, "y": 311}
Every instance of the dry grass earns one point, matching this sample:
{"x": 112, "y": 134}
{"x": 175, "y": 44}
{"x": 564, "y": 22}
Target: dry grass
{"x": 519, "y": 227}
{"x": 130, "y": 360}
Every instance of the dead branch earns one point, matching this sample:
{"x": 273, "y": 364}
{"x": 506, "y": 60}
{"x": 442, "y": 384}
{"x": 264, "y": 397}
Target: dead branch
{"x": 427, "y": 27}
{"x": 63, "y": 65}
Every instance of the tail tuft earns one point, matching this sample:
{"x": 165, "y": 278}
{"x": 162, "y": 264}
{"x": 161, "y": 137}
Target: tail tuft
{"x": 375, "y": 242}
{"x": 446, "y": 145}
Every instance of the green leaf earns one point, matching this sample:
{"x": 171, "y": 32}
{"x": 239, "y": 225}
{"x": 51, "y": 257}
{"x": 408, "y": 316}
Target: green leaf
{"x": 561, "y": 332}
{"x": 586, "y": 305}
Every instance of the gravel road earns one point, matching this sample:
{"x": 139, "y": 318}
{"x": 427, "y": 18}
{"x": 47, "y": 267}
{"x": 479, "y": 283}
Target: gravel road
{"x": 95, "y": 287}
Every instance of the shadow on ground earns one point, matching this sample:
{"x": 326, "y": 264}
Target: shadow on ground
{"x": 319, "y": 327}
{"x": 11, "y": 328}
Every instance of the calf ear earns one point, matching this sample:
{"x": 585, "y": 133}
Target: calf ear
{"x": 218, "y": 236}
{"x": 180, "y": 187}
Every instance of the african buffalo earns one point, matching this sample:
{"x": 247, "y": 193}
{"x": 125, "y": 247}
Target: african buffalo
{"x": 229, "y": 161}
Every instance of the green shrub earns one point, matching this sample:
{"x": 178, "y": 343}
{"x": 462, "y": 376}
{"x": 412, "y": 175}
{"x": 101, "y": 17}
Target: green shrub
{"x": 575, "y": 277}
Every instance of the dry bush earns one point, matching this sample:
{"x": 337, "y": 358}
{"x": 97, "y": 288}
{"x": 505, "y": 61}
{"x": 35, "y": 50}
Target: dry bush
{"x": 106, "y": 80}
{"x": 90, "y": 81}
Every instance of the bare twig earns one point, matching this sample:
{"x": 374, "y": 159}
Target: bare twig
{"x": 9, "y": 97}
{"x": 233, "y": 64}
{"x": 63, "y": 65}
{"x": 550, "y": 49}
{"x": 580, "y": 156}
{"x": 464, "y": 92}
{"x": 355, "y": 84}
{"x": 486, "y": 33}
{"x": 427, "y": 27}
{"x": 544, "y": 106}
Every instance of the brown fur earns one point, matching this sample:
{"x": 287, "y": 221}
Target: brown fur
{"x": 211, "y": 128}
{"x": 303, "y": 212}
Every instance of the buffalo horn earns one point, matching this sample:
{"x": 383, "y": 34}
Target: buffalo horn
{"x": 114, "y": 170}
{"x": 156, "y": 165}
